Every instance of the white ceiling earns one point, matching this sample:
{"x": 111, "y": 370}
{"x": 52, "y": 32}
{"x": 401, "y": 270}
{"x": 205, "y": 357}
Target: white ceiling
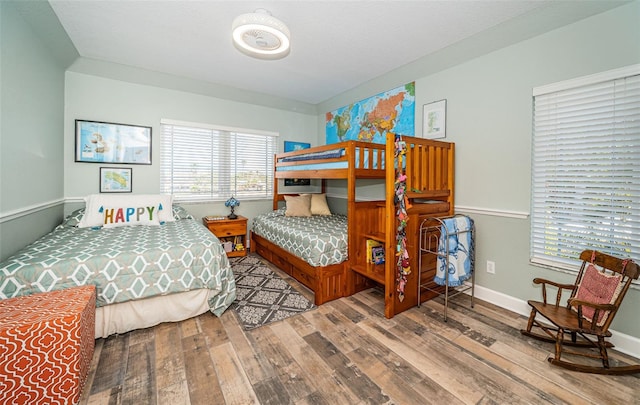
{"x": 336, "y": 45}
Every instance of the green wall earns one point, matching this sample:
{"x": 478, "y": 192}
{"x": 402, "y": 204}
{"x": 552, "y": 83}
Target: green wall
{"x": 31, "y": 128}
{"x": 96, "y": 98}
{"x": 489, "y": 117}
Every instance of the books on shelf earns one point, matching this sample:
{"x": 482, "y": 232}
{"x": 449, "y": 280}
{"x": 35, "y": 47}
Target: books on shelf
{"x": 375, "y": 251}
{"x": 370, "y": 245}
{"x": 232, "y": 243}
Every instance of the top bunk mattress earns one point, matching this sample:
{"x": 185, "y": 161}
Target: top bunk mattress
{"x": 335, "y": 159}
{"x": 320, "y": 240}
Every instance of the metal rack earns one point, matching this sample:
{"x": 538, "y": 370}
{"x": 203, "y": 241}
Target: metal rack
{"x": 430, "y": 233}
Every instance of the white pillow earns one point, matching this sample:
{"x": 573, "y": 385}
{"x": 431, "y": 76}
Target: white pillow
{"x": 96, "y": 204}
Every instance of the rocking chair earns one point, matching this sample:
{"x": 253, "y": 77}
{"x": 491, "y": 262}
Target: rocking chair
{"x": 595, "y": 299}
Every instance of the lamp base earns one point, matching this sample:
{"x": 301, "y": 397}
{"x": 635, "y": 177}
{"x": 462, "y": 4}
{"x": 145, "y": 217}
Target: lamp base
{"x": 232, "y": 215}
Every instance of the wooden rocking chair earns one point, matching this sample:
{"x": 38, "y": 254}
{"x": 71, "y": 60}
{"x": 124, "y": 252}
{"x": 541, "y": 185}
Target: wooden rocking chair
{"x": 595, "y": 299}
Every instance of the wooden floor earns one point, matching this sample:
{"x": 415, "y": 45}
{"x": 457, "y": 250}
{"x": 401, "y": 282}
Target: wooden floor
{"x": 346, "y": 352}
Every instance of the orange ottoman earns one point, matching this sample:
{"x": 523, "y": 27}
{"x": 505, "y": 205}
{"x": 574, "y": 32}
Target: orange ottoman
{"x": 46, "y": 346}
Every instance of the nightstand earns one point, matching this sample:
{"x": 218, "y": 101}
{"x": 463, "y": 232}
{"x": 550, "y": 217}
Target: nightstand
{"x": 231, "y": 232}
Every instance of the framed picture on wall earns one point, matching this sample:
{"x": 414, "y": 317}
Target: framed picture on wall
{"x": 115, "y": 179}
{"x": 434, "y": 120}
{"x": 290, "y": 146}
{"x": 106, "y": 142}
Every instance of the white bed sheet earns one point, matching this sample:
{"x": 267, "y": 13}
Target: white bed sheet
{"x": 127, "y": 316}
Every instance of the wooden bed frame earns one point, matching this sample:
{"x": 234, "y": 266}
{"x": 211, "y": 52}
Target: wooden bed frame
{"x": 430, "y": 177}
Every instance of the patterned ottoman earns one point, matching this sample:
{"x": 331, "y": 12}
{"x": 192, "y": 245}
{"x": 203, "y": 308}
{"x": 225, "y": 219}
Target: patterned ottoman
{"x": 46, "y": 346}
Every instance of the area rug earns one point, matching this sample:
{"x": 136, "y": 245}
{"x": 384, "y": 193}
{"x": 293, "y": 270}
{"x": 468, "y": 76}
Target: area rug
{"x": 262, "y": 296}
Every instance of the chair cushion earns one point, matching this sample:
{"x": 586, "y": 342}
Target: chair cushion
{"x": 598, "y": 288}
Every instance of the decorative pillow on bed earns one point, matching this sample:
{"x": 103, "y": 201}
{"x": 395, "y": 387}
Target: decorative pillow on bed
{"x": 118, "y": 210}
{"x": 180, "y": 213}
{"x": 72, "y": 220}
{"x": 299, "y": 206}
{"x": 319, "y": 204}
{"x": 145, "y": 214}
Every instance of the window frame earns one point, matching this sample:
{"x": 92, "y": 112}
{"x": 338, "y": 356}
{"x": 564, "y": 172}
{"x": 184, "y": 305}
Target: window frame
{"x": 224, "y": 150}
{"x": 557, "y": 262}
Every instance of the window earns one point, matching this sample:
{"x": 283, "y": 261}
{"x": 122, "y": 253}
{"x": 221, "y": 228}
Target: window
{"x": 586, "y": 168}
{"x": 201, "y": 162}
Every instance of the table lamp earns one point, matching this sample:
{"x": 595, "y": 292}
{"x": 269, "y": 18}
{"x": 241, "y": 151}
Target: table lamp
{"x": 232, "y": 203}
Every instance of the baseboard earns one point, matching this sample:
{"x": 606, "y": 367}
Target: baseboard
{"x": 624, "y": 343}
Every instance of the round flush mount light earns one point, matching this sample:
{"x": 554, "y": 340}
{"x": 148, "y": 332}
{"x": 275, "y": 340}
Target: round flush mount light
{"x": 261, "y": 35}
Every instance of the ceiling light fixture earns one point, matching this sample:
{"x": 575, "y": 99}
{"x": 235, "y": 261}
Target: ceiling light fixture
{"x": 261, "y": 35}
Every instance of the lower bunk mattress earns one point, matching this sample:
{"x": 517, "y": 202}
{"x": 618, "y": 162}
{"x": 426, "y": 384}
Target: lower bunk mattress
{"x": 320, "y": 240}
{"x": 130, "y": 266}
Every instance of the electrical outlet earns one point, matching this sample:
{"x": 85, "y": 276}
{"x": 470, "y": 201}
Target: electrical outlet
{"x": 491, "y": 267}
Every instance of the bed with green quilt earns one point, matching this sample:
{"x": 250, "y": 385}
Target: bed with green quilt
{"x": 144, "y": 275}
{"x": 313, "y": 249}
{"x": 318, "y": 240}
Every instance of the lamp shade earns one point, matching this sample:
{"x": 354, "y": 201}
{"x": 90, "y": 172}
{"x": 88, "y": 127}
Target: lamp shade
{"x": 261, "y": 35}
{"x": 231, "y": 202}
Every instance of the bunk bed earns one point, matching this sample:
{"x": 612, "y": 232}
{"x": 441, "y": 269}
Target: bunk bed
{"x": 418, "y": 175}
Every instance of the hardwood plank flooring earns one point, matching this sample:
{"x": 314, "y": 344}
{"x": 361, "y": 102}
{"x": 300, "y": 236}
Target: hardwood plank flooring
{"x": 346, "y": 352}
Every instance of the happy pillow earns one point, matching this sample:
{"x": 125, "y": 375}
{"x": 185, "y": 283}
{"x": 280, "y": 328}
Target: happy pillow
{"x": 123, "y": 216}
{"x": 121, "y": 210}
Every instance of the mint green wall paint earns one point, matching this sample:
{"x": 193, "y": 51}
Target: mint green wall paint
{"x": 102, "y": 99}
{"x": 31, "y": 123}
{"x": 489, "y": 103}
{"x": 489, "y": 118}
{"x": 156, "y": 79}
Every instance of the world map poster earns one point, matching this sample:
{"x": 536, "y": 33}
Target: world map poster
{"x": 371, "y": 119}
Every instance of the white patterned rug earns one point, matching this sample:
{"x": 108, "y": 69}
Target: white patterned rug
{"x": 262, "y": 296}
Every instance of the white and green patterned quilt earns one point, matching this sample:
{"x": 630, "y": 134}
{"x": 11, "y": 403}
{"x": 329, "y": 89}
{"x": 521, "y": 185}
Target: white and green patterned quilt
{"x": 124, "y": 263}
{"x": 319, "y": 240}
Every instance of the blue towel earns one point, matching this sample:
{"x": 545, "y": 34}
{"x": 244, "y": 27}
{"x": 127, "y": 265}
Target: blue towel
{"x": 460, "y": 254}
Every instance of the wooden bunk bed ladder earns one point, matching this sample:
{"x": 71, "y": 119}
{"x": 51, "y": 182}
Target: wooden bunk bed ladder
{"x": 429, "y": 191}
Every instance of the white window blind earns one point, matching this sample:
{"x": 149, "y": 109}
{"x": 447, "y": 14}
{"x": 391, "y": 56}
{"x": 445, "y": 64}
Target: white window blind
{"x": 586, "y": 169}
{"x": 200, "y": 162}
